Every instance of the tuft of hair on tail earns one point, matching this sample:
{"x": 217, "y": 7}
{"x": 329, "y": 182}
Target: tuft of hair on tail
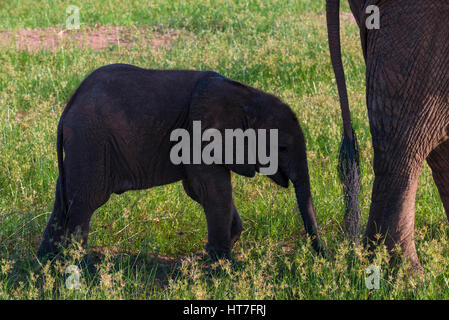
{"x": 349, "y": 173}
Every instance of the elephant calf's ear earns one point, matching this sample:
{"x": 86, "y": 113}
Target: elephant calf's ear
{"x": 247, "y": 170}
{"x": 222, "y": 104}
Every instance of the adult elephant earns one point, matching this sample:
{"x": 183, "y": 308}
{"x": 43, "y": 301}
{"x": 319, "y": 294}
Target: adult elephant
{"x": 407, "y": 83}
{"x": 117, "y": 130}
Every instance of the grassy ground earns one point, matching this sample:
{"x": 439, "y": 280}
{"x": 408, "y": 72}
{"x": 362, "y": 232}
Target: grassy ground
{"x": 149, "y": 244}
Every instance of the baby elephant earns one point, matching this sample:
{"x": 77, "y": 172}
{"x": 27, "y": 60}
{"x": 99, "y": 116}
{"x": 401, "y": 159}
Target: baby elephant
{"x": 121, "y": 131}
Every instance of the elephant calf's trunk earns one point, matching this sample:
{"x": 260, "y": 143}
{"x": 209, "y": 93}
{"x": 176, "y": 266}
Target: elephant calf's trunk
{"x": 305, "y": 204}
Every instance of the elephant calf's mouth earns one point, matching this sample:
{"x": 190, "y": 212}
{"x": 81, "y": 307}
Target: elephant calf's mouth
{"x": 280, "y": 178}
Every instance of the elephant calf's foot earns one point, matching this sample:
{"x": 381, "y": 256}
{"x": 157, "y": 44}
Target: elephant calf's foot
{"x": 216, "y": 254}
{"x": 235, "y": 234}
{"x": 317, "y": 246}
{"x": 87, "y": 264}
{"x": 48, "y": 249}
{"x": 235, "y": 238}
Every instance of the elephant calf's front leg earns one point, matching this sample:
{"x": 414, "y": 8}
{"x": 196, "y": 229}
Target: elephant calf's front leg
{"x": 219, "y": 221}
{"x": 211, "y": 187}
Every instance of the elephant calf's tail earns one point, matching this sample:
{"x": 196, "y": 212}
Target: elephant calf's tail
{"x": 349, "y": 154}
{"x": 60, "y": 152}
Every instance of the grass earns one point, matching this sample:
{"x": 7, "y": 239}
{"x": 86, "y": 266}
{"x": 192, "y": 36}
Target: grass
{"x": 149, "y": 244}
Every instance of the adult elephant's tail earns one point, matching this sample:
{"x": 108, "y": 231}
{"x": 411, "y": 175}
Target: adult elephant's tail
{"x": 349, "y": 155}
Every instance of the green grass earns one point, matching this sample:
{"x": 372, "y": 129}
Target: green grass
{"x": 149, "y": 244}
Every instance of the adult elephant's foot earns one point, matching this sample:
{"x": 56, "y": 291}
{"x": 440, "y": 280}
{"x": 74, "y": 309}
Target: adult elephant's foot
{"x": 416, "y": 270}
{"x": 392, "y": 215}
{"x": 410, "y": 254}
{"x": 407, "y": 250}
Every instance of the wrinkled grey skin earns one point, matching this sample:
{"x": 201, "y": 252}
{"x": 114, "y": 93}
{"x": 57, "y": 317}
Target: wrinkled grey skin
{"x": 115, "y": 132}
{"x": 407, "y": 83}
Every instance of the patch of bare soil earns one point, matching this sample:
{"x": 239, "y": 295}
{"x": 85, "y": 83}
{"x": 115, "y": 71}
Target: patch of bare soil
{"x": 347, "y": 16}
{"x": 96, "y": 38}
{"x": 4, "y": 38}
{"x": 344, "y": 16}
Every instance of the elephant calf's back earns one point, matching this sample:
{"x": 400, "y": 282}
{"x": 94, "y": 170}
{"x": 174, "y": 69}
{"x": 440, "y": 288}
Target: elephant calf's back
{"x": 120, "y": 118}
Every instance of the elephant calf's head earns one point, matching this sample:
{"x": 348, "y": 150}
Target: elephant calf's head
{"x": 277, "y": 143}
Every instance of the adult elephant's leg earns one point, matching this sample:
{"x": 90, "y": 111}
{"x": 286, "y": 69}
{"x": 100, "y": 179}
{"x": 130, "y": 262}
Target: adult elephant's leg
{"x": 438, "y": 161}
{"x": 211, "y": 187}
{"x": 400, "y": 147}
{"x": 407, "y": 107}
{"x": 392, "y": 212}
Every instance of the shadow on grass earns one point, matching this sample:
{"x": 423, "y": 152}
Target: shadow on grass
{"x": 155, "y": 268}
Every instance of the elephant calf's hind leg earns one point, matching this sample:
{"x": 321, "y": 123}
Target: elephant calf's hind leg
{"x": 86, "y": 189}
